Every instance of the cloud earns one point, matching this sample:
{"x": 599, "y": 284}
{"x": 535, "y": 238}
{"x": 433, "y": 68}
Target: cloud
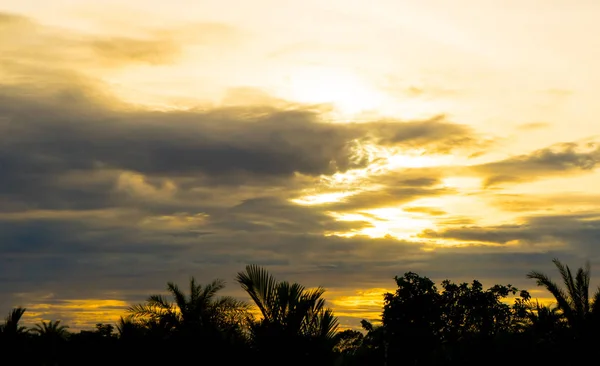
{"x": 24, "y": 41}
{"x": 534, "y": 126}
{"x": 562, "y": 158}
{"x": 386, "y": 197}
{"x": 435, "y": 135}
{"x": 137, "y": 185}
{"x": 529, "y": 203}
{"x": 55, "y": 151}
{"x": 425, "y": 210}
{"x": 120, "y": 50}
{"x": 576, "y": 232}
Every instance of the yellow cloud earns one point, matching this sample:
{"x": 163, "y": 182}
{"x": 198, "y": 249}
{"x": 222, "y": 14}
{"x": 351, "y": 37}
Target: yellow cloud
{"x": 77, "y": 313}
{"x": 137, "y": 185}
{"x": 177, "y": 221}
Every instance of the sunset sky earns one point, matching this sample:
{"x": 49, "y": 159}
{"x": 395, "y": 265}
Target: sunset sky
{"x": 336, "y": 143}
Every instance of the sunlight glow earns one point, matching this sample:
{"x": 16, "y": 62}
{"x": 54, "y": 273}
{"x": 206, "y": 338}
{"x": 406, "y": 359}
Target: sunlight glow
{"x": 382, "y": 160}
{"x": 318, "y": 85}
{"x": 362, "y": 304}
{"x": 361, "y": 298}
{"x": 462, "y": 182}
{"x": 384, "y": 222}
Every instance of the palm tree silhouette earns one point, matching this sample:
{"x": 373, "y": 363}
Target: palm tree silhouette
{"x": 292, "y": 316}
{"x": 51, "y": 329}
{"x": 51, "y": 337}
{"x": 11, "y": 325}
{"x": 200, "y": 311}
{"x": 574, "y": 302}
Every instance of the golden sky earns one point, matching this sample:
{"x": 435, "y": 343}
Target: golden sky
{"x": 337, "y": 143}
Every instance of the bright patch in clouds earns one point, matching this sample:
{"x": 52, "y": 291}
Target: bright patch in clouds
{"x": 343, "y": 89}
{"x": 384, "y": 222}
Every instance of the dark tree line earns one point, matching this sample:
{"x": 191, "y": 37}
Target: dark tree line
{"x": 288, "y": 324}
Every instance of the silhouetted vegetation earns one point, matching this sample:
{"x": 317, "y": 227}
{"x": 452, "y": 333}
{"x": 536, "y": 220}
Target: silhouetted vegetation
{"x": 288, "y": 324}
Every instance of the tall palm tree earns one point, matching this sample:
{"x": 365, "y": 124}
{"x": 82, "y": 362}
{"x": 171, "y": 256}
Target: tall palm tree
{"x": 574, "y": 301}
{"x": 200, "y": 311}
{"x": 288, "y": 309}
{"x": 51, "y": 329}
{"x": 11, "y": 325}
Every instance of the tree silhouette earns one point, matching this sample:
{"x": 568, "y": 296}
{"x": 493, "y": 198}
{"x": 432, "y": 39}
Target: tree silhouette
{"x": 14, "y": 336}
{"x": 422, "y": 325}
{"x": 129, "y": 328}
{"x": 199, "y": 312}
{"x": 348, "y": 344}
{"x": 574, "y": 301}
{"x": 412, "y": 319}
{"x": 51, "y": 336}
{"x": 11, "y": 326}
{"x": 545, "y": 323}
{"x": 295, "y": 321}
{"x": 51, "y": 329}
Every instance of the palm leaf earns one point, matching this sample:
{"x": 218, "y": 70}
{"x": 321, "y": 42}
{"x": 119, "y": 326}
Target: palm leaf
{"x": 560, "y": 296}
{"x": 261, "y": 287}
{"x": 212, "y": 289}
{"x": 596, "y": 303}
{"x": 567, "y": 277}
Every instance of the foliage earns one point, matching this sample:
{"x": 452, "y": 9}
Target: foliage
{"x": 295, "y": 321}
{"x": 11, "y": 326}
{"x": 201, "y": 312}
{"x": 425, "y": 325}
{"x": 421, "y": 324}
{"x": 51, "y": 329}
{"x": 573, "y": 301}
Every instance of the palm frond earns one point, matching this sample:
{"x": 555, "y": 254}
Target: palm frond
{"x": 177, "y": 294}
{"x": 596, "y": 303}
{"x": 159, "y": 302}
{"x": 11, "y": 322}
{"x": 194, "y": 290}
{"x": 561, "y": 298}
{"x": 582, "y": 286}
{"x": 50, "y": 329}
{"x": 261, "y": 287}
{"x": 567, "y": 277}
{"x": 211, "y": 290}
{"x": 328, "y": 324}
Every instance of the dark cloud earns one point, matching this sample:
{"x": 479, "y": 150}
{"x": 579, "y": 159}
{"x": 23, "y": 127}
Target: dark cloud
{"x": 575, "y": 231}
{"x": 561, "y": 158}
{"x": 227, "y": 145}
{"x": 124, "y": 260}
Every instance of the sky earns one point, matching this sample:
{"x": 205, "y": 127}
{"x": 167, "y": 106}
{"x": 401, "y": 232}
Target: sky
{"x": 336, "y": 143}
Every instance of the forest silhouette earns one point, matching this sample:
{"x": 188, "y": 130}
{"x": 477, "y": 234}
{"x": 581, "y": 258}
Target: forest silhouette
{"x": 288, "y": 324}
